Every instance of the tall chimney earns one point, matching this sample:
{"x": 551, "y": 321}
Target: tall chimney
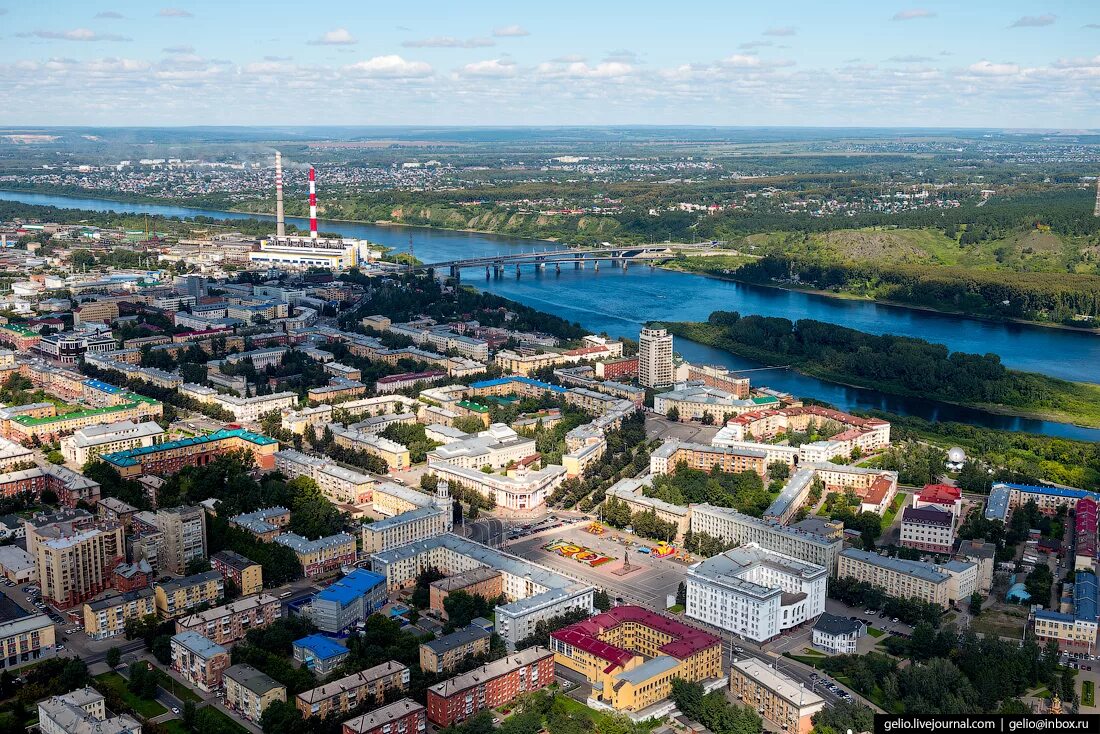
{"x": 280, "y": 224}
{"x": 312, "y": 204}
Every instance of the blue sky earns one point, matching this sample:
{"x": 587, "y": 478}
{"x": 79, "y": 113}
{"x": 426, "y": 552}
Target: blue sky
{"x": 972, "y": 63}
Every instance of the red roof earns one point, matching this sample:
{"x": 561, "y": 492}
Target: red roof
{"x": 941, "y": 494}
{"x": 585, "y": 635}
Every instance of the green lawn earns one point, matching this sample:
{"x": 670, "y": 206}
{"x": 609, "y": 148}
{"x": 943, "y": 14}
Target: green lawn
{"x": 144, "y": 707}
{"x": 676, "y": 609}
{"x": 893, "y": 509}
{"x": 174, "y": 726}
{"x": 177, "y": 689}
{"x": 1088, "y": 693}
{"x": 228, "y": 723}
{"x": 875, "y": 632}
{"x": 598, "y": 717}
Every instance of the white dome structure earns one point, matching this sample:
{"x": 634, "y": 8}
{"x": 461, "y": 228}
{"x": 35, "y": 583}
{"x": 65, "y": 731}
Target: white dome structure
{"x": 956, "y": 455}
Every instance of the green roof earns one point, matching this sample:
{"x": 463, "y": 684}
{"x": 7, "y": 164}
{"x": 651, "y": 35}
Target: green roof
{"x": 20, "y": 330}
{"x": 25, "y": 420}
{"x": 130, "y": 456}
{"x": 476, "y": 407}
{"x": 767, "y": 399}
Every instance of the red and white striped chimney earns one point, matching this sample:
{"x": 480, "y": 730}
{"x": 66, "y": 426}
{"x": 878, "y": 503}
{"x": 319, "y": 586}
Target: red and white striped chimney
{"x": 312, "y": 204}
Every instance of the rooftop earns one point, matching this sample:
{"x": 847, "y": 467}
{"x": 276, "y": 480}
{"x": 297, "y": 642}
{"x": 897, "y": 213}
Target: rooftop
{"x": 130, "y": 457}
{"x": 252, "y": 679}
{"x": 488, "y": 672}
{"x": 351, "y": 587}
{"x": 382, "y": 716}
{"x": 917, "y": 569}
{"x": 323, "y": 648}
{"x": 199, "y": 645}
{"x": 686, "y": 641}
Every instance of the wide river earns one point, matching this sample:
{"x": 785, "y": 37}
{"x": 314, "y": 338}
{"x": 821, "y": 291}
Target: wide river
{"x": 618, "y": 302}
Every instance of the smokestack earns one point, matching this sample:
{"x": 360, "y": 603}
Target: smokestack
{"x": 280, "y": 224}
{"x": 312, "y": 204}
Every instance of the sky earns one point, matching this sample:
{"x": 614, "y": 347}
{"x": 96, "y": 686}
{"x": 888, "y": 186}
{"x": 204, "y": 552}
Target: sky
{"x": 969, "y": 63}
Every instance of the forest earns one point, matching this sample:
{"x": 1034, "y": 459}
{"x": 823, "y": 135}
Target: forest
{"x": 897, "y": 365}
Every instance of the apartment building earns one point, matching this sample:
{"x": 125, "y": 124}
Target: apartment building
{"x": 418, "y": 524}
{"x": 781, "y": 700}
{"x": 88, "y": 443}
{"x": 534, "y": 593}
{"x": 755, "y": 593}
{"x": 630, "y": 655}
{"x": 348, "y": 601}
{"x": 696, "y": 402}
{"x": 307, "y": 419}
{"x": 26, "y": 639}
{"x": 927, "y": 529}
{"x": 655, "y": 358}
{"x": 107, "y": 617}
{"x": 323, "y": 555}
{"x": 231, "y": 622}
{"x": 401, "y": 717}
{"x": 248, "y": 692}
{"x": 394, "y": 454}
{"x": 248, "y": 576}
{"x": 75, "y": 566}
{"x": 445, "y": 653}
{"x": 184, "y": 530}
{"x": 176, "y": 598}
{"x": 95, "y": 311}
{"x": 69, "y": 486}
{"x": 339, "y": 485}
{"x": 735, "y": 527}
{"x": 128, "y": 406}
{"x": 1074, "y": 626}
{"x": 632, "y": 492}
{"x": 482, "y": 581}
{"x": 941, "y": 584}
{"x": 266, "y": 524}
{"x": 83, "y": 711}
{"x": 199, "y": 661}
{"x": 492, "y": 685}
{"x": 773, "y": 452}
{"x": 525, "y": 364}
{"x": 394, "y": 383}
{"x": 345, "y": 694}
{"x": 673, "y": 453}
{"x": 171, "y": 456}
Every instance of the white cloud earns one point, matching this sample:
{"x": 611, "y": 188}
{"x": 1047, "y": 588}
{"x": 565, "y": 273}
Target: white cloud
{"x": 913, "y": 14}
{"x": 109, "y": 15}
{"x": 781, "y": 31}
{"x": 748, "y": 45}
{"x": 175, "y": 13}
{"x": 449, "y": 42}
{"x": 569, "y": 59}
{"x": 742, "y": 60}
{"x": 390, "y": 67}
{"x": 1034, "y": 21}
{"x": 490, "y": 68}
{"x": 511, "y": 31}
{"x": 988, "y": 68}
{"x": 581, "y": 70}
{"x": 336, "y": 37}
{"x": 77, "y": 34}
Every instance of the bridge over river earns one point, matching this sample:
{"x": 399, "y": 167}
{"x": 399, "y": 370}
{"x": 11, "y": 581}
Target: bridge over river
{"x": 578, "y": 257}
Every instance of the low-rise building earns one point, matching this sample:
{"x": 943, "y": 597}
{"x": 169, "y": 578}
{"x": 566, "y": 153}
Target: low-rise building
{"x": 339, "y": 485}
{"x": 231, "y": 622}
{"x": 107, "y": 617}
{"x": 320, "y": 654}
{"x": 445, "y": 653}
{"x": 266, "y": 523}
{"x": 170, "y": 456}
{"x": 783, "y": 701}
{"x": 481, "y": 581}
{"x": 394, "y": 454}
{"x": 942, "y": 584}
{"x": 17, "y": 565}
{"x": 401, "y": 717}
{"x": 1074, "y": 627}
{"x": 520, "y": 489}
{"x": 738, "y": 528}
{"x": 176, "y": 598}
{"x": 249, "y": 692}
{"x": 837, "y": 635}
{"x": 199, "y": 661}
{"x": 492, "y": 685}
{"x": 345, "y": 694}
{"x": 323, "y": 555}
{"x": 673, "y": 453}
{"x": 83, "y": 711}
{"x": 248, "y": 576}
{"x": 408, "y": 527}
{"x": 348, "y": 601}
{"x": 25, "y": 640}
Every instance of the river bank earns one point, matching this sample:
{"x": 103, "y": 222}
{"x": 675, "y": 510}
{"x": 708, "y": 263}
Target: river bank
{"x": 1062, "y": 401}
{"x": 840, "y": 295}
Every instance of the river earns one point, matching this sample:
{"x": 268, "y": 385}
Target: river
{"x": 618, "y": 302}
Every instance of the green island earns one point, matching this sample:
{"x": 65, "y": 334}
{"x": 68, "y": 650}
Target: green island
{"x": 897, "y": 365}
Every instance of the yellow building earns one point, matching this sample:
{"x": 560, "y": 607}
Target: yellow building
{"x": 175, "y": 598}
{"x": 107, "y": 617}
{"x": 25, "y": 640}
{"x": 75, "y": 566}
{"x": 249, "y": 692}
{"x": 105, "y": 311}
{"x": 781, "y": 700}
{"x": 631, "y": 655}
{"x": 246, "y": 574}
{"x": 25, "y": 429}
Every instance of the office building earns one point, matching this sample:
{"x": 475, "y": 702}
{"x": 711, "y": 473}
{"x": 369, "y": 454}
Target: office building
{"x": 107, "y": 617}
{"x": 630, "y": 655}
{"x": 445, "y": 653}
{"x": 323, "y": 555}
{"x": 490, "y": 686}
{"x": 345, "y": 694}
{"x": 941, "y": 584}
{"x": 928, "y": 529}
{"x": 781, "y": 700}
{"x": 738, "y": 528}
{"x": 249, "y": 692}
{"x": 401, "y": 717}
{"x": 199, "y": 661}
{"x": 837, "y": 635}
{"x": 519, "y": 489}
{"x": 496, "y": 447}
{"x": 655, "y": 358}
{"x": 1074, "y": 626}
{"x": 348, "y": 601}
{"x": 88, "y": 443}
{"x": 83, "y": 711}
{"x": 755, "y": 593}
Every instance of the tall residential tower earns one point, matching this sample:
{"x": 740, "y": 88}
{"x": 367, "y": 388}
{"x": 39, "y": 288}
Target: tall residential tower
{"x": 655, "y": 358}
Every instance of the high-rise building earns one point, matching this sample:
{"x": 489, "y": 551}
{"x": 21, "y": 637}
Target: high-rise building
{"x": 184, "y": 530}
{"x": 655, "y": 358}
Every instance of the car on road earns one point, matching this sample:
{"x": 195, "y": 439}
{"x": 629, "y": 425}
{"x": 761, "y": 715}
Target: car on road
{"x": 739, "y": 650}
{"x": 175, "y": 711}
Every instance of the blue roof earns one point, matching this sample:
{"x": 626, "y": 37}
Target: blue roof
{"x": 323, "y": 648}
{"x": 103, "y": 386}
{"x": 1018, "y": 591}
{"x": 1051, "y": 491}
{"x": 351, "y": 587}
{"x": 1053, "y": 616}
{"x": 1084, "y": 596}
{"x": 130, "y": 456}
{"x": 515, "y": 378}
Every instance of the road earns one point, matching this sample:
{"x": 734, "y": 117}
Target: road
{"x": 490, "y": 531}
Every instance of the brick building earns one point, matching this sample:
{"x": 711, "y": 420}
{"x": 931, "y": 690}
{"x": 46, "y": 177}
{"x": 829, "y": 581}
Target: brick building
{"x": 490, "y": 686}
